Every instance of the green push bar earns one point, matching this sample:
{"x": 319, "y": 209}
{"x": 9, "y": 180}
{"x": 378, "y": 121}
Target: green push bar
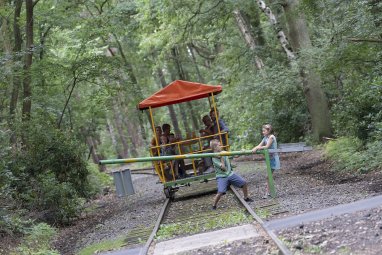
{"x": 200, "y": 155}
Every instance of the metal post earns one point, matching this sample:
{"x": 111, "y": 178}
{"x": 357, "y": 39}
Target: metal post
{"x": 163, "y": 179}
{"x": 217, "y": 118}
{"x": 270, "y": 175}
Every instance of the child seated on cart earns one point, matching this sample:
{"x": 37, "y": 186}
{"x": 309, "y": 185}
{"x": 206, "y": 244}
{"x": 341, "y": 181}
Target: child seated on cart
{"x": 177, "y": 164}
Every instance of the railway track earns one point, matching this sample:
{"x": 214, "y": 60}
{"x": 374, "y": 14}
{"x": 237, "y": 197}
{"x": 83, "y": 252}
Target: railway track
{"x": 190, "y": 213}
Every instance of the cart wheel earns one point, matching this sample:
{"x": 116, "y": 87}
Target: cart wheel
{"x": 172, "y": 195}
{"x": 167, "y": 192}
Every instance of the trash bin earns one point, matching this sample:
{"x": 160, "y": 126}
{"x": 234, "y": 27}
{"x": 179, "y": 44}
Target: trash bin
{"x": 123, "y": 182}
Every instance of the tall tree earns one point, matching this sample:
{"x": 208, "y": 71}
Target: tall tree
{"x": 182, "y": 76}
{"x": 113, "y": 137}
{"x": 248, "y": 36}
{"x": 29, "y": 47}
{"x": 171, "y": 109}
{"x": 16, "y": 72}
{"x": 314, "y": 94}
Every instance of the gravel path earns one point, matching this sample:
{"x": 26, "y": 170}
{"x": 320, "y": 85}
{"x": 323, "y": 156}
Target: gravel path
{"x": 356, "y": 233}
{"x": 305, "y": 182}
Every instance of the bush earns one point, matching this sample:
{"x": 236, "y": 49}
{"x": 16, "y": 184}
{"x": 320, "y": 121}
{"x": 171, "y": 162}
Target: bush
{"x": 11, "y": 223}
{"x": 50, "y": 174}
{"x": 37, "y": 241}
{"x": 97, "y": 180}
{"x": 350, "y": 155}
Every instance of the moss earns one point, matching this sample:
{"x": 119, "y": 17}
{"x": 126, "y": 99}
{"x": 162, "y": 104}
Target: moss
{"x": 103, "y": 246}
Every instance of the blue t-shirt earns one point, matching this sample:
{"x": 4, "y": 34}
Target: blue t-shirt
{"x": 274, "y": 157}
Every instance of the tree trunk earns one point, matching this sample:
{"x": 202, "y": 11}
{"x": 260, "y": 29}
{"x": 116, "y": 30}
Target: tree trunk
{"x": 182, "y": 76}
{"x": 132, "y": 131}
{"x": 248, "y": 36}
{"x": 93, "y": 151}
{"x": 110, "y": 128}
{"x": 252, "y": 16}
{"x": 184, "y": 118}
{"x": 173, "y": 117}
{"x": 16, "y": 70}
{"x": 6, "y": 38}
{"x": 200, "y": 76}
{"x": 280, "y": 33}
{"x": 134, "y": 83}
{"x": 27, "y": 89}
{"x": 314, "y": 94}
{"x": 129, "y": 128}
{"x": 181, "y": 107}
{"x": 122, "y": 138}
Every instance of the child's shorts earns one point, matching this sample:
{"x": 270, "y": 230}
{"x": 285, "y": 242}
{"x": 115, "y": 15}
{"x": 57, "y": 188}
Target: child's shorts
{"x": 224, "y": 182}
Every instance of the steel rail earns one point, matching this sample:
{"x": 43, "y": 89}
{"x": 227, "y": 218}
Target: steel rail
{"x": 145, "y": 248}
{"x": 284, "y": 250}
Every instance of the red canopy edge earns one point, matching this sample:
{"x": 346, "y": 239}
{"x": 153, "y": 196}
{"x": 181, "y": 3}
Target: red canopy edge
{"x": 178, "y": 92}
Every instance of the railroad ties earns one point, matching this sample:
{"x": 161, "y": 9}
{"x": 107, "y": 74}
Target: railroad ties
{"x": 268, "y": 208}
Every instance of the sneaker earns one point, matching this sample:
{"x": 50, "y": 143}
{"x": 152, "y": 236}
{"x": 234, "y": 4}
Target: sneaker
{"x": 248, "y": 199}
{"x": 214, "y": 207}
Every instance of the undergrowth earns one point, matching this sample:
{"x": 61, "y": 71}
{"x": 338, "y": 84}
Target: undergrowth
{"x": 350, "y": 154}
{"x": 37, "y": 241}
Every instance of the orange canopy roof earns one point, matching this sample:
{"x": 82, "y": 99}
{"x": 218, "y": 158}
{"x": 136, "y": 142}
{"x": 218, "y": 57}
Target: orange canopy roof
{"x": 178, "y": 92}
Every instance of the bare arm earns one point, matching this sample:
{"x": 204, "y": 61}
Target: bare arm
{"x": 266, "y": 146}
{"x": 269, "y": 143}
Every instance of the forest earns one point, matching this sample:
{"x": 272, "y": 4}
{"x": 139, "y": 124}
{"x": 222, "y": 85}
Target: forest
{"x": 72, "y": 73}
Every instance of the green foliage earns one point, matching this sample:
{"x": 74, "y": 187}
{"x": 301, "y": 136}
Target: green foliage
{"x": 351, "y": 155}
{"x": 50, "y": 173}
{"x": 12, "y": 223}
{"x": 97, "y": 180}
{"x": 37, "y": 241}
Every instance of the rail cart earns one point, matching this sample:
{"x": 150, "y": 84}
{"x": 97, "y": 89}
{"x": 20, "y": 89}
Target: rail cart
{"x": 179, "y": 92}
{"x": 190, "y": 148}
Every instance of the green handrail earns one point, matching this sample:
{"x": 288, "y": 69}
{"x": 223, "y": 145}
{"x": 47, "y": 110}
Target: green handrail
{"x": 173, "y": 157}
{"x": 199, "y": 155}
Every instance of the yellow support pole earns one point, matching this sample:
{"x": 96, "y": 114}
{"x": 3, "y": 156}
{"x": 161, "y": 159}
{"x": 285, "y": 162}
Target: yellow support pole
{"x": 217, "y": 118}
{"x": 163, "y": 179}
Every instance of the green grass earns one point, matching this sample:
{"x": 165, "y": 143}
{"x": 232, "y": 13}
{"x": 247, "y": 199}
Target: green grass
{"x": 103, "y": 246}
{"x": 189, "y": 227}
{"x": 263, "y": 213}
{"x": 313, "y": 249}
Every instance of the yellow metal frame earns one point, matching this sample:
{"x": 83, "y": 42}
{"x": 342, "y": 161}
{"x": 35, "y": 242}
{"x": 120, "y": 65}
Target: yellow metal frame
{"x": 159, "y": 166}
{"x": 217, "y": 118}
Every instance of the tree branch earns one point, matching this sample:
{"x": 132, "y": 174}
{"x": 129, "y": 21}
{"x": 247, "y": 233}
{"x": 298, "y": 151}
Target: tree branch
{"x": 372, "y": 40}
{"x": 67, "y": 100}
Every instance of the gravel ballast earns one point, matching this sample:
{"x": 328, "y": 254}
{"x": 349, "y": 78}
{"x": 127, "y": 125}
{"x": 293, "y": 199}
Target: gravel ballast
{"x": 306, "y": 182}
